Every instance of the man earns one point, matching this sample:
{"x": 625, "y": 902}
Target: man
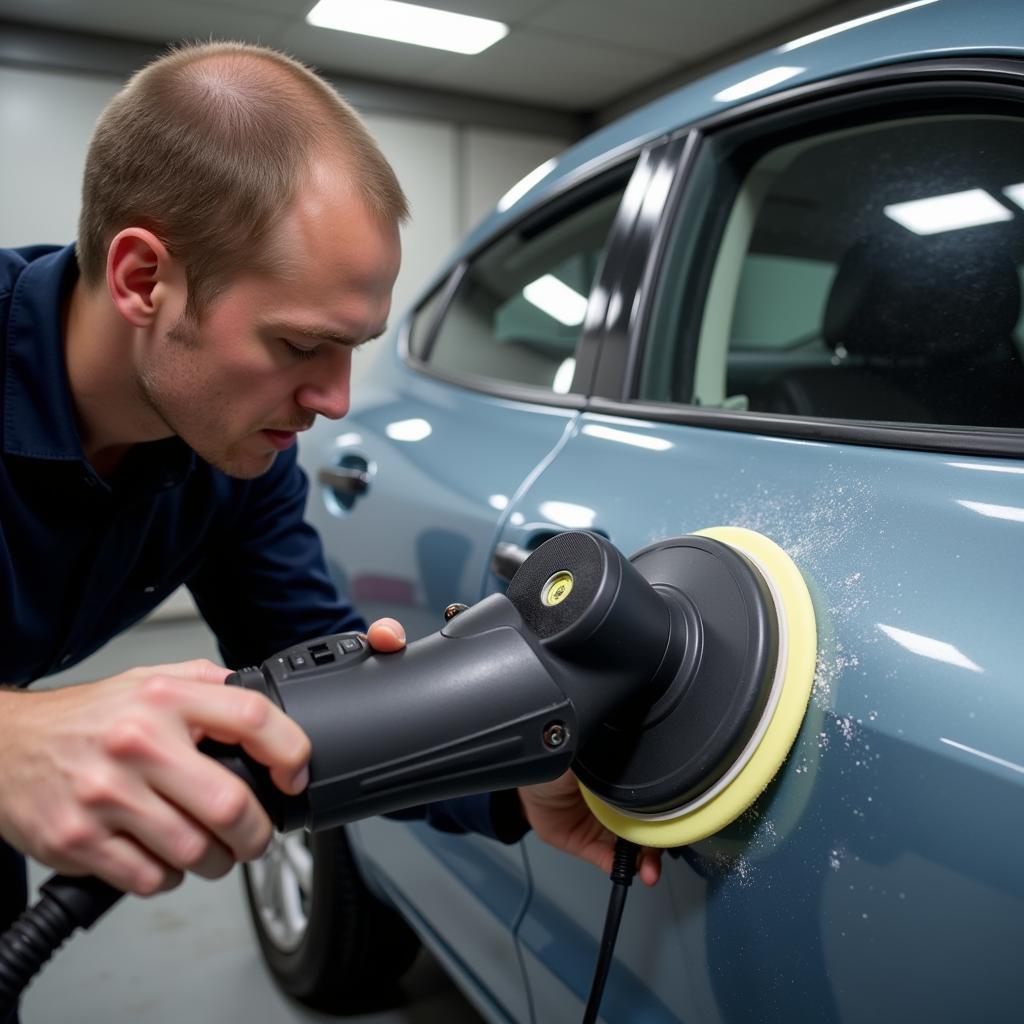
{"x": 238, "y": 239}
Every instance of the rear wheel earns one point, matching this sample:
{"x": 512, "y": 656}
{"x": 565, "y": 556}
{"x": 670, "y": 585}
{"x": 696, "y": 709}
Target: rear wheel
{"x": 328, "y": 941}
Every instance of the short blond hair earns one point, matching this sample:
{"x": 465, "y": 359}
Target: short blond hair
{"x": 207, "y": 147}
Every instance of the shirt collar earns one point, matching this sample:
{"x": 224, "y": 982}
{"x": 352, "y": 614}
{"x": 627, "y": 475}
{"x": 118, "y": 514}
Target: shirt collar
{"x": 39, "y": 413}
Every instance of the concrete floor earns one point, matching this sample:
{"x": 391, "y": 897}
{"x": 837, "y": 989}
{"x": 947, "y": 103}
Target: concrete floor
{"x": 190, "y": 954}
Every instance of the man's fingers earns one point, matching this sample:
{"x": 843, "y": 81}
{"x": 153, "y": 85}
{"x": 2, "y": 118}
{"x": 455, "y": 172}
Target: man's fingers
{"x": 216, "y": 799}
{"x": 167, "y": 834}
{"x": 123, "y": 863}
{"x": 200, "y": 670}
{"x": 233, "y": 715}
{"x": 386, "y": 636}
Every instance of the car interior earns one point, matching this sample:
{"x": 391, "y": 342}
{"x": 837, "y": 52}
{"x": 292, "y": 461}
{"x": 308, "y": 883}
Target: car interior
{"x": 822, "y": 304}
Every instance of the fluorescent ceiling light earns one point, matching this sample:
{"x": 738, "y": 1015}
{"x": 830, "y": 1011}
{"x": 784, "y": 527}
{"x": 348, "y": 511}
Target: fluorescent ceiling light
{"x": 847, "y": 25}
{"x": 949, "y": 212}
{"x": 557, "y": 299}
{"x": 408, "y": 23}
{"x": 757, "y": 83}
{"x": 521, "y": 187}
{"x": 1016, "y": 193}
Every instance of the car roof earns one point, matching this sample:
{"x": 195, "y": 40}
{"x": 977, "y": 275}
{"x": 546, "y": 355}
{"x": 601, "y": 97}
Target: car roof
{"x": 917, "y": 30}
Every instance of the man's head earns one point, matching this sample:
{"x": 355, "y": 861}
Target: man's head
{"x": 245, "y": 225}
{"x": 207, "y": 147}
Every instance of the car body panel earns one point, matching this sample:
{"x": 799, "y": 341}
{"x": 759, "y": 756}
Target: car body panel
{"x": 912, "y": 748}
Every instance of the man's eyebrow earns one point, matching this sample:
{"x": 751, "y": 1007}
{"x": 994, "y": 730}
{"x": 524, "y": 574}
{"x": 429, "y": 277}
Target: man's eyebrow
{"x": 317, "y": 332}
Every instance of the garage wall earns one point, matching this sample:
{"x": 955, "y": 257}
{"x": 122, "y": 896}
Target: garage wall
{"x": 453, "y": 173}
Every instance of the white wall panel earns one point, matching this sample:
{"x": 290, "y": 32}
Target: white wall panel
{"x": 494, "y": 161}
{"x": 46, "y": 120}
{"x": 425, "y": 158}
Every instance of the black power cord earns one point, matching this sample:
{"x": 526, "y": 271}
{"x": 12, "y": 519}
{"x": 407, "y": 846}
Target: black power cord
{"x": 623, "y": 870}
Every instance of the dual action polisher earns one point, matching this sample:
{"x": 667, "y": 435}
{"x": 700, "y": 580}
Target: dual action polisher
{"x": 673, "y": 684}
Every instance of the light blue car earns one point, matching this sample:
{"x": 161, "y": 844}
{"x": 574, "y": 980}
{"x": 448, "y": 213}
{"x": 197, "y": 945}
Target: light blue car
{"x": 788, "y": 298}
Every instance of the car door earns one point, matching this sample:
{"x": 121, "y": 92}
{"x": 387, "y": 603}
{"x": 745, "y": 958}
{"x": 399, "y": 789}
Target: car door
{"x": 829, "y": 352}
{"x": 408, "y": 491}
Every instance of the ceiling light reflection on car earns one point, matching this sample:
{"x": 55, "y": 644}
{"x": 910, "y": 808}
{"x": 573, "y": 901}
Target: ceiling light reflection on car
{"x": 409, "y": 23}
{"x": 1010, "y": 512}
{"x": 1012, "y": 765}
{"x": 845, "y": 26}
{"x": 521, "y": 187}
{"x": 409, "y": 430}
{"x": 498, "y": 501}
{"x": 557, "y": 299}
{"x": 1015, "y": 193}
{"x": 756, "y": 84}
{"x": 565, "y": 513}
{"x": 654, "y": 444}
{"x": 929, "y": 647}
{"x": 950, "y": 212}
{"x": 563, "y": 377}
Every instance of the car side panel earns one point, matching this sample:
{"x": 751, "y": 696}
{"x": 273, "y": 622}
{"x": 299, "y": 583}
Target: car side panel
{"x": 879, "y": 876}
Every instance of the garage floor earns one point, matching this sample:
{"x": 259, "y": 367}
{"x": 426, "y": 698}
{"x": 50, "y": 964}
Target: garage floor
{"x": 190, "y": 954}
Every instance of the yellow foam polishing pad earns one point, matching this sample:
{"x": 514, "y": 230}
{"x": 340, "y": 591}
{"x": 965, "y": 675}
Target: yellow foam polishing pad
{"x": 764, "y": 755}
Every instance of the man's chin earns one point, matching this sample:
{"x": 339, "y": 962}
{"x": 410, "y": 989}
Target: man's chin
{"x": 238, "y": 466}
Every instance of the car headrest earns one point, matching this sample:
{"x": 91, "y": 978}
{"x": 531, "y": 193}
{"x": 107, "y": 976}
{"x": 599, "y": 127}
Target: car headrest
{"x": 910, "y": 297}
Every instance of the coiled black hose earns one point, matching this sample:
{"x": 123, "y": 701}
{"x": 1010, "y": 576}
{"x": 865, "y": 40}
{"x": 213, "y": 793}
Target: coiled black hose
{"x": 64, "y": 905}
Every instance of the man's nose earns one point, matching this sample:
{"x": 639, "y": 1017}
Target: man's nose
{"x": 327, "y": 391}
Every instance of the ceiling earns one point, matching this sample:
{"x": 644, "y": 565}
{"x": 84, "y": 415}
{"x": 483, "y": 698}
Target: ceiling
{"x": 583, "y": 56}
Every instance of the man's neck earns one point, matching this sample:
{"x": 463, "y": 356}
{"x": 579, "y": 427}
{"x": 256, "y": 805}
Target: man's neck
{"x": 110, "y": 412}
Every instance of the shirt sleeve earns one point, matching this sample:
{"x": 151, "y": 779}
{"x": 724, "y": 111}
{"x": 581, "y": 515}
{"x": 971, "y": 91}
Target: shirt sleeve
{"x": 264, "y": 585}
{"x": 495, "y": 815}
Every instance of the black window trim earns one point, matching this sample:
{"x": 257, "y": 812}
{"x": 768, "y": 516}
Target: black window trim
{"x": 575, "y": 190}
{"x": 616, "y": 378}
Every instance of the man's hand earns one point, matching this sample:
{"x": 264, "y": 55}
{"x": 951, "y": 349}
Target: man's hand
{"x": 559, "y": 815}
{"x": 105, "y": 778}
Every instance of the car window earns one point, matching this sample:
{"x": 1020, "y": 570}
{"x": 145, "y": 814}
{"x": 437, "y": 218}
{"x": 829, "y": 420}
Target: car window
{"x": 518, "y": 312}
{"x": 871, "y": 273}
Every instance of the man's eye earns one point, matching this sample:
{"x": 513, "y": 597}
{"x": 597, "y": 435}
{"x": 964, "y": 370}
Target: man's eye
{"x": 298, "y": 353}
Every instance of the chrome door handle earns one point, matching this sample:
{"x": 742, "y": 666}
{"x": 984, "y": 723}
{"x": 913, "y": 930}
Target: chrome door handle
{"x": 343, "y": 479}
{"x": 506, "y": 560}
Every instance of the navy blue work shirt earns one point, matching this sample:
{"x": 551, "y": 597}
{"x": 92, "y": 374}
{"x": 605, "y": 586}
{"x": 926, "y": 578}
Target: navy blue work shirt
{"x": 82, "y": 558}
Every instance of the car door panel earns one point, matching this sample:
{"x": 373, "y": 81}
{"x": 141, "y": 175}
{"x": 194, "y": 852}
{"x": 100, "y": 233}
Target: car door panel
{"x": 911, "y": 751}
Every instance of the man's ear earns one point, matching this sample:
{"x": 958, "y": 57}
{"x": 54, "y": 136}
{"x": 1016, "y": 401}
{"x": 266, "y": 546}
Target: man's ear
{"x": 138, "y": 264}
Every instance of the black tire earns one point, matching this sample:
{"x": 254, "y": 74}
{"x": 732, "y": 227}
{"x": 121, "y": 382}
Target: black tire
{"x": 354, "y": 949}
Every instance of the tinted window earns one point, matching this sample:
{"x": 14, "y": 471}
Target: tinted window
{"x": 872, "y": 273}
{"x": 518, "y": 312}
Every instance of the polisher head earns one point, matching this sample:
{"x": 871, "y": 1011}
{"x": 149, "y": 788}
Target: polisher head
{"x": 690, "y": 764}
